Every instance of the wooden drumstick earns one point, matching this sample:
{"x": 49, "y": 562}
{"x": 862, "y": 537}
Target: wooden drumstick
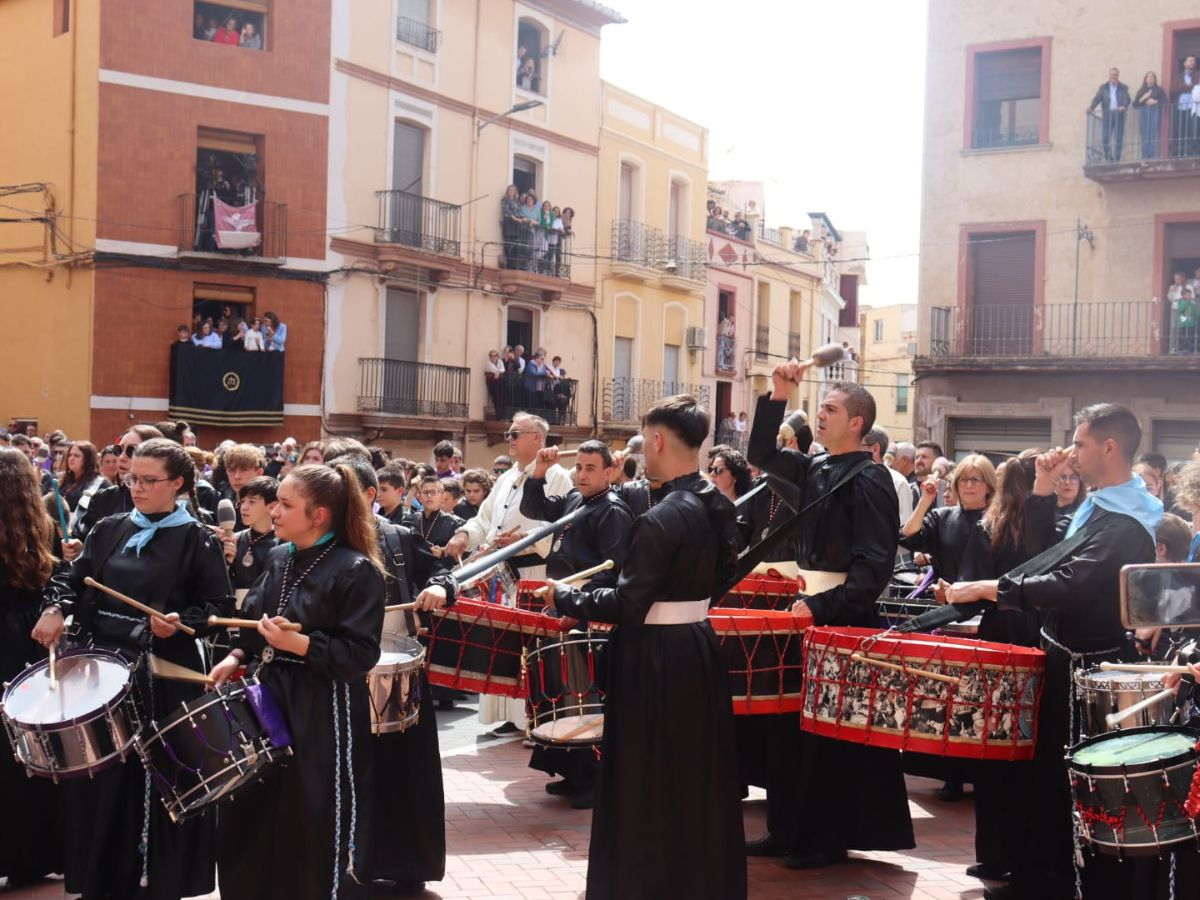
{"x": 164, "y": 668}
{"x": 219, "y": 622}
{"x": 585, "y": 727}
{"x": 907, "y": 670}
{"x": 578, "y": 576}
{"x": 1114, "y": 719}
{"x": 1142, "y": 667}
{"x": 400, "y": 607}
{"x": 53, "y": 662}
{"x": 139, "y": 606}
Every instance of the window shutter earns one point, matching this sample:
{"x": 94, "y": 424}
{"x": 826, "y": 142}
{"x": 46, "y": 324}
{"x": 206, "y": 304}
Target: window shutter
{"x": 1008, "y": 75}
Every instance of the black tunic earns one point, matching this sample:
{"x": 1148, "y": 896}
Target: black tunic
{"x": 435, "y": 531}
{"x": 181, "y": 569}
{"x": 601, "y": 533}
{"x": 31, "y": 828}
{"x": 668, "y": 820}
{"x": 761, "y": 516}
{"x": 638, "y": 495}
{"x": 852, "y": 531}
{"x": 956, "y": 541}
{"x": 408, "y": 815}
{"x": 107, "y": 501}
{"x": 259, "y": 545}
{"x": 285, "y": 837}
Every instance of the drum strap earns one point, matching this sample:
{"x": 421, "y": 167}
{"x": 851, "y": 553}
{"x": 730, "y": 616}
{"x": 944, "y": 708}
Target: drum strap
{"x": 396, "y": 562}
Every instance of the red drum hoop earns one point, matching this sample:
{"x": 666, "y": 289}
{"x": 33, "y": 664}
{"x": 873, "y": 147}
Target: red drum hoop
{"x": 989, "y": 713}
{"x": 479, "y": 647}
{"x": 762, "y": 651}
{"x": 762, "y": 592}
{"x": 525, "y": 597}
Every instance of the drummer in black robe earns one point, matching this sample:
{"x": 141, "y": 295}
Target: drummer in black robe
{"x": 1078, "y": 596}
{"x": 304, "y": 831}
{"x": 158, "y": 554}
{"x": 668, "y": 820}
{"x": 602, "y": 533}
{"x": 408, "y": 812}
{"x": 31, "y": 829}
{"x": 111, "y": 500}
{"x": 433, "y": 526}
{"x": 252, "y": 546}
{"x": 845, "y": 549}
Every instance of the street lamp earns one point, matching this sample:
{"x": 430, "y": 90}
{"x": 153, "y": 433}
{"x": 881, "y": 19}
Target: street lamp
{"x": 520, "y": 107}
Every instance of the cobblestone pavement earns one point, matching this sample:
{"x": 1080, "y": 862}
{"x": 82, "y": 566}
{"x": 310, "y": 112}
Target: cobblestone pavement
{"x": 507, "y": 838}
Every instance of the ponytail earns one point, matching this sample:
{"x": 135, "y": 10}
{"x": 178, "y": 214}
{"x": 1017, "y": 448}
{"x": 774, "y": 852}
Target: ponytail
{"x": 351, "y": 519}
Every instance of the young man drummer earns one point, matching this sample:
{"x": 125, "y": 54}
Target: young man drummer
{"x": 247, "y": 550}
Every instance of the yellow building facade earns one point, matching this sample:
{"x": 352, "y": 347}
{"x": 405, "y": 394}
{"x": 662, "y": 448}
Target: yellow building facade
{"x": 889, "y": 343}
{"x": 651, "y": 272}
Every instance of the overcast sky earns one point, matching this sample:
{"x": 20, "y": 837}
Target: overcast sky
{"x": 820, "y": 101}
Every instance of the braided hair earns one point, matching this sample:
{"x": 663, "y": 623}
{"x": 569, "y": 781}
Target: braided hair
{"x": 178, "y": 464}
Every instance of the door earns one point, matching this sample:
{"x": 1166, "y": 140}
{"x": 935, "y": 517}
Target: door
{"x": 625, "y": 198}
{"x": 670, "y": 369}
{"x": 525, "y": 175}
{"x": 520, "y": 330}
{"x": 408, "y": 174}
{"x": 624, "y": 406}
{"x": 401, "y": 349}
{"x": 674, "y": 209}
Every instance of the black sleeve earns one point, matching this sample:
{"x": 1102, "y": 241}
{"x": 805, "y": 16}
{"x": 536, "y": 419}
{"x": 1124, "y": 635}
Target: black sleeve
{"x": 926, "y": 540}
{"x": 613, "y": 527}
{"x": 99, "y": 506}
{"x": 350, "y": 649}
{"x": 1038, "y": 531}
{"x": 788, "y": 464}
{"x": 66, "y": 587}
{"x": 211, "y": 592}
{"x": 428, "y": 570}
{"x": 537, "y": 506}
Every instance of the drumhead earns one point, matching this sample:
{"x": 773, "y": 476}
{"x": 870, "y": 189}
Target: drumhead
{"x": 88, "y": 681}
{"x": 399, "y": 650}
{"x": 1131, "y": 749}
{"x": 1117, "y": 680}
{"x": 557, "y": 730}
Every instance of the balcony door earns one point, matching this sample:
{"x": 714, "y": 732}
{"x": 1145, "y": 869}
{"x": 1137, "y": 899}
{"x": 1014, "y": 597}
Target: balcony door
{"x": 401, "y": 386}
{"x": 1002, "y": 290}
{"x": 408, "y": 184}
{"x": 624, "y": 403}
{"x": 671, "y": 383}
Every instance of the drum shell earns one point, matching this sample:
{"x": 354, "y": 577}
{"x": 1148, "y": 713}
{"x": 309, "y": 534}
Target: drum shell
{"x": 82, "y": 745}
{"x": 394, "y": 688}
{"x": 565, "y": 679}
{"x": 1102, "y": 693}
{"x": 762, "y": 652}
{"x": 766, "y": 592}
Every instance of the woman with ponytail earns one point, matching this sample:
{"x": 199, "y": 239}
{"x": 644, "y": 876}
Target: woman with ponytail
{"x": 158, "y": 554}
{"x": 303, "y": 832}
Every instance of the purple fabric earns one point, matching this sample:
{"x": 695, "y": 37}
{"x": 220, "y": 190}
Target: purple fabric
{"x": 921, "y": 588}
{"x": 270, "y": 716}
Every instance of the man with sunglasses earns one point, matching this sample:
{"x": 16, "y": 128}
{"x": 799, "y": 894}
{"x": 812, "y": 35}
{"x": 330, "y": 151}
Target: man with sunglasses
{"x": 110, "y": 500}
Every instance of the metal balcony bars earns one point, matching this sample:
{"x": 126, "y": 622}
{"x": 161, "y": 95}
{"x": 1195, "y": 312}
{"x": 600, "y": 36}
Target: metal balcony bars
{"x": 419, "y": 222}
{"x": 401, "y": 387}
{"x": 418, "y": 34}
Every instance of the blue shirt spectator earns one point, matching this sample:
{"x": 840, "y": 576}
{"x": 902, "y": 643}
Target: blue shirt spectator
{"x": 207, "y": 338}
{"x": 278, "y": 332}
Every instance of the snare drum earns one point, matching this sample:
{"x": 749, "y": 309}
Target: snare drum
{"x": 772, "y": 591}
{"x": 1128, "y": 789}
{"x": 215, "y": 744}
{"x": 86, "y": 724}
{"x": 762, "y": 653}
{"x": 394, "y": 685}
{"x": 988, "y": 712}
{"x": 565, "y": 698}
{"x": 478, "y": 647}
{"x": 1102, "y": 693}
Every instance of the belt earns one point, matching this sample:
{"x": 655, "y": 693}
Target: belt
{"x": 818, "y": 582}
{"x": 687, "y": 612}
{"x": 784, "y": 568}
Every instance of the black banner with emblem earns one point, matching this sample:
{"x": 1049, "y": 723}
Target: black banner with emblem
{"x": 225, "y": 387}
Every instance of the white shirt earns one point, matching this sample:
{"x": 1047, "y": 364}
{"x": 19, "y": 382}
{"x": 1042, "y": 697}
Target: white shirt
{"x": 252, "y": 340}
{"x": 1112, "y": 96}
{"x": 903, "y": 493}
{"x": 501, "y": 510}
{"x": 494, "y": 368}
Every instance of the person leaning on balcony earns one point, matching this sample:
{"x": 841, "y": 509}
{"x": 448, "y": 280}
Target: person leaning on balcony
{"x": 1150, "y": 101}
{"x": 276, "y": 334}
{"x": 1112, "y": 97}
{"x": 552, "y": 225}
{"x": 514, "y": 227}
{"x": 493, "y": 373}
{"x": 250, "y": 39}
{"x": 207, "y": 338}
{"x": 228, "y": 34}
{"x": 253, "y": 339}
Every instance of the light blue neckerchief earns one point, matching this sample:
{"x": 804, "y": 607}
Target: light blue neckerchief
{"x": 147, "y": 529}
{"x": 323, "y": 539}
{"x": 1130, "y": 499}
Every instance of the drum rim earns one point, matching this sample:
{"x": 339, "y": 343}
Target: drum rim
{"x": 548, "y": 643}
{"x": 218, "y": 694}
{"x": 1165, "y": 764}
{"x": 25, "y": 674}
{"x": 177, "y": 801}
{"x": 1082, "y": 677}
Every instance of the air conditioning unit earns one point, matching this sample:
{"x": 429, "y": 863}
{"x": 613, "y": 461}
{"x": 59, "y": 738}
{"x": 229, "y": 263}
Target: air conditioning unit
{"x": 697, "y": 338}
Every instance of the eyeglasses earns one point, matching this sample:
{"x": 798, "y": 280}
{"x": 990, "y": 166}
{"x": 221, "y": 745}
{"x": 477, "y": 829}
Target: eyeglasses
{"x": 132, "y": 481}
{"x": 513, "y": 434}
{"x": 1069, "y": 479}
{"x": 970, "y": 480}
{"x": 716, "y": 470}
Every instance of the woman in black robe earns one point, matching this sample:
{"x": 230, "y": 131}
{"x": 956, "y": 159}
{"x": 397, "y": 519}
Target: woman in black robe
{"x": 303, "y": 831}
{"x": 121, "y": 835}
{"x": 31, "y": 829}
{"x": 952, "y": 534}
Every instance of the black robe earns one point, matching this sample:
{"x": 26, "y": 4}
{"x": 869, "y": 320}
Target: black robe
{"x": 852, "y": 531}
{"x": 761, "y": 516}
{"x": 259, "y": 545}
{"x": 436, "y": 531}
{"x": 181, "y": 569}
{"x": 1079, "y": 602}
{"x": 285, "y": 837}
{"x": 638, "y": 495}
{"x": 465, "y": 510}
{"x": 31, "y": 828}
{"x": 668, "y": 820}
{"x": 956, "y": 541}
{"x": 408, "y": 815}
{"x": 107, "y": 501}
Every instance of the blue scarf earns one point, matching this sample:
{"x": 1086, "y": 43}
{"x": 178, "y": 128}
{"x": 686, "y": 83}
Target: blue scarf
{"x": 1194, "y": 550}
{"x": 148, "y": 529}
{"x": 323, "y": 539}
{"x": 1130, "y": 499}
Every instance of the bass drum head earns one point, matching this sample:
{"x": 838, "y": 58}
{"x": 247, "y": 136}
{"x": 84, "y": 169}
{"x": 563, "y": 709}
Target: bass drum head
{"x": 399, "y": 650}
{"x": 88, "y": 681}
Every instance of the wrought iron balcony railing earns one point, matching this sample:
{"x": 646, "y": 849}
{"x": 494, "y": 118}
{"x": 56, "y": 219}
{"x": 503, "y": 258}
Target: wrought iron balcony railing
{"x": 762, "y": 341}
{"x": 685, "y": 258}
{"x": 406, "y": 388}
{"x": 1157, "y": 134}
{"x": 554, "y": 399}
{"x": 420, "y": 222}
{"x": 627, "y": 399}
{"x": 256, "y": 229}
{"x": 418, "y": 34}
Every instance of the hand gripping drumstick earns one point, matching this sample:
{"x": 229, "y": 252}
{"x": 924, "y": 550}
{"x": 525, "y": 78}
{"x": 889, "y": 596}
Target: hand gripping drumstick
{"x": 907, "y": 670}
{"x": 578, "y": 576}
{"x": 218, "y": 622}
{"x": 140, "y": 607}
{"x": 1114, "y": 719}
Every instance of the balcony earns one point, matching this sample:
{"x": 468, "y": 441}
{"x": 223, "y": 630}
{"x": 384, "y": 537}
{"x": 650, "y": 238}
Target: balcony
{"x": 529, "y": 251}
{"x": 645, "y": 253}
{"x": 626, "y": 400}
{"x": 402, "y": 388}
{"x": 762, "y": 341}
{"x": 225, "y": 388}
{"x": 1141, "y": 144}
{"x": 418, "y": 34}
{"x": 685, "y": 260}
{"x": 552, "y": 399}
{"x": 796, "y": 346}
{"x": 256, "y": 232}
{"x": 770, "y": 236}
{"x": 419, "y": 222}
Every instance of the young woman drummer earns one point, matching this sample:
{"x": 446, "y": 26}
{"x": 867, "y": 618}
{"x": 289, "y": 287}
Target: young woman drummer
{"x": 301, "y": 832}
{"x": 160, "y": 555}
{"x": 31, "y": 829}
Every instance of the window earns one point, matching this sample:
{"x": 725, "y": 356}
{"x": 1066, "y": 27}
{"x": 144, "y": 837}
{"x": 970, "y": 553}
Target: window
{"x": 235, "y": 23}
{"x": 670, "y": 366}
{"x": 413, "y": 26}
{"x": 1001, "y": 293}
{"x": 213, "y": 303}
{"x": 878, "y": 330}
{"x": 901, "y": 392}
{"x": 677, "y": 208}
{"x": 1007, "y": 102}
{"x": 402, "y": 325}
{"x": 520, "y": 329}
{"x": 228, "y": 172}
{"x": 62, "y": 18}
{"x": 533, "y": 56}
{"x": 526, "y": 172}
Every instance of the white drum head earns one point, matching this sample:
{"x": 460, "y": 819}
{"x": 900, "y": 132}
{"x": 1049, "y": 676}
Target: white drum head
{"x": 557, "y": 731}
{"x": 399, "y": 650}
{"x": 86, "y": 682}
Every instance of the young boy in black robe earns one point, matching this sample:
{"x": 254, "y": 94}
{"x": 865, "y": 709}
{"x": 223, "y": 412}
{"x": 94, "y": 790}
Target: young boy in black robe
{"x": 668, "y": 819}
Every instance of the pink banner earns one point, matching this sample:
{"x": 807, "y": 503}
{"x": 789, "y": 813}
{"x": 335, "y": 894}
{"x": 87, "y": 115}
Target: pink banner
{"x": 236, "y": 226}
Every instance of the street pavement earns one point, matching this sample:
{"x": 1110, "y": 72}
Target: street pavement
{"x": 507, "y": 838}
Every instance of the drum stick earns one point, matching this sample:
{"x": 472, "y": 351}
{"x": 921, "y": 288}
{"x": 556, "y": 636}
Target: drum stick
{"x": 1114, "y": 719}
{"x": 1142, "y": 667}
{"x": 53, "y": 663}
{"x": 163, "y": 668}
{"x": 218, "y": 622}
{"x": 907, "y": 670}
{"x": 140, "y": 607}
{"x": 400, "y": 607}
{"x": 585, "y": 727}
{"x": 578, "y": 576}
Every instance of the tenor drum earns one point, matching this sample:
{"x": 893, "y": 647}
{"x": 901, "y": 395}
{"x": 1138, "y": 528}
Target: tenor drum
{"x": 565, "y": 700}
{"x": 761, "y": 649}
{"x": 88, "y": 723}
{"x": 1129, "y": 789}
{"x": 1102, "y": 693}
{"x": 394, "y": 685}
{"x": 771, "y": 591}
{"x": 215, "y": 744}
{"x": 987, "y": 709}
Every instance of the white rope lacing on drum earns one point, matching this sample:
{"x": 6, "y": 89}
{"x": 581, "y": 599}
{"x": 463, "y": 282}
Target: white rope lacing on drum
{"x": 144, "y": 846}
{"x": 337, "y": 794}
{"x": 353, "y": 793}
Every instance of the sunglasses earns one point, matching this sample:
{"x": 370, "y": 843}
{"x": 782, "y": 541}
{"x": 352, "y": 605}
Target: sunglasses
{"x": 716, "y": 470}
{"x": 130, "y": 450}
{"x": 499, "y": 470}
{"x": 513, "y": 434}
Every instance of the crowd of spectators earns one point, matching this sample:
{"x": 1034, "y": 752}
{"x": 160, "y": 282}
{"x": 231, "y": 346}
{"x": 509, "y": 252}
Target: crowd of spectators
{"x": 515, "y": 382}
{"x": 230, "y": 331}
{"x": 234, "y": 32}
{"x": 1111, "y": 104}
{"x": 719, "y": 220}
{"x": 1182, "y": 297}
{"x": 535, "y": 234}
